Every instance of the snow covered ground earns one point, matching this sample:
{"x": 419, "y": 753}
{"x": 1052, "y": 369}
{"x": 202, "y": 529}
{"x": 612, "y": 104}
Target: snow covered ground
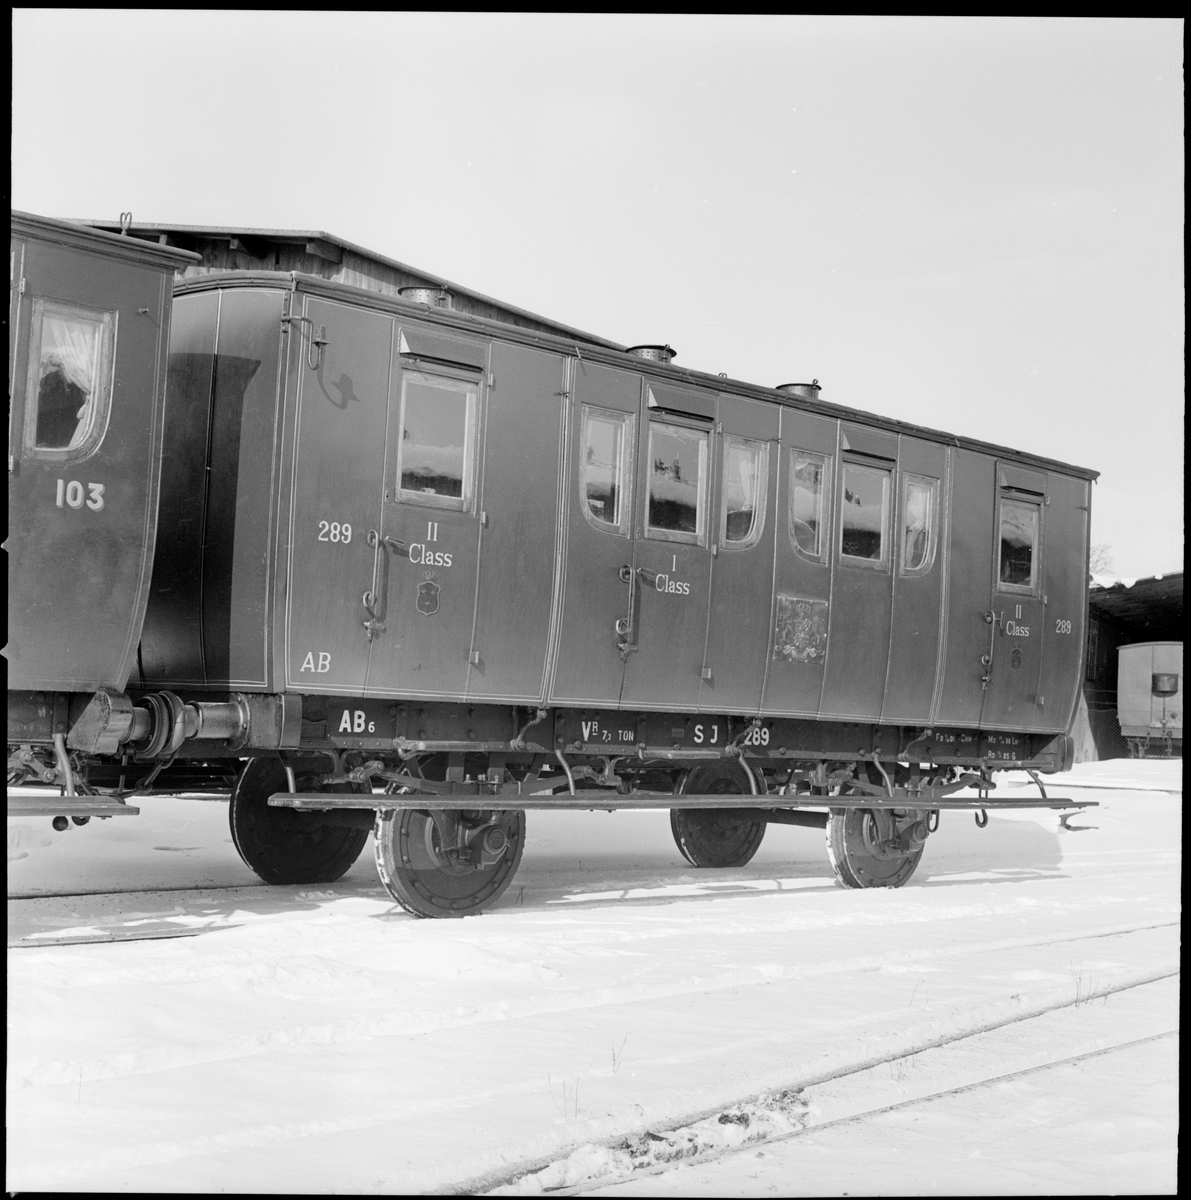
{"x": 616, "y": 1008}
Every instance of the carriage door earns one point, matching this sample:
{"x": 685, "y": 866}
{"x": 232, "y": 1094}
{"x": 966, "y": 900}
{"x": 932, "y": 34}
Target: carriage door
{"x": 602, "y": 448}
{"x": 1016, "y": 614}
{"x": 669, "y": 585}
{"x": 426, "y": 553}
{"x": 337, "y": 472}
{"x": 862, "y": 584}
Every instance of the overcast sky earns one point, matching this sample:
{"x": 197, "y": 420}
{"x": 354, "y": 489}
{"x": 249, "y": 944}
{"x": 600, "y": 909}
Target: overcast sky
{"x": 972, "y": 224}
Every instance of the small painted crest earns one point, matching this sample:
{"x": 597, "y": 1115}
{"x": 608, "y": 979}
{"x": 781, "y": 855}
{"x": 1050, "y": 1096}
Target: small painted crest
{"x": 1015, "y": 658}
{"x": 428, "y": 595}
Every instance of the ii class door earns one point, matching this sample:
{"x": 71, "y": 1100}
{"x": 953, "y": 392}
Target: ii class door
{"x": 426, "y": 554}
{"x": 593, "y": 635}
{"x": 338, "y": 468}
{"x": 670, "y": 582}
{"x": 1017, "y": 608}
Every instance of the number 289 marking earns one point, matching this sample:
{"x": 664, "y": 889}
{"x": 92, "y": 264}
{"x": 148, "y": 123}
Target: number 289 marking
{"x": 333, "y": 531}
{"x": 1062, "y": 626}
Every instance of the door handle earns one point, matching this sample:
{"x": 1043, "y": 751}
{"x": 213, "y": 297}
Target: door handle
{"x": 995, "y": 622}
{"x": 375, "y": 600}
{"x": 625, "y": 626}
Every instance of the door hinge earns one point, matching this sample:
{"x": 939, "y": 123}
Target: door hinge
{"x": 21, "y": 290}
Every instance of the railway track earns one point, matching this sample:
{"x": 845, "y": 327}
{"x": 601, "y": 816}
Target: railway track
{"x": 778, "y": 1115}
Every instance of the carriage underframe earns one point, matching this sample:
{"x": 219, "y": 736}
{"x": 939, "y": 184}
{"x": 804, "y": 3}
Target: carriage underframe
{"x": 449, "y": 815}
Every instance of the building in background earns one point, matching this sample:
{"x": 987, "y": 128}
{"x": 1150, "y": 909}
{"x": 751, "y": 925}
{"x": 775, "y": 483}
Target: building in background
{"x": 1123, "y": 612}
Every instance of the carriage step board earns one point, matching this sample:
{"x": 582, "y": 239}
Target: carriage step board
{"x": 75, "y": 806}
{"x": 612, "y": 801}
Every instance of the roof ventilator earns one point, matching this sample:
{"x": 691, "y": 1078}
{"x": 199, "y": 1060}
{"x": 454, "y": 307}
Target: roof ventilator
{"x": 418, "y": 293}
{"x": 662, "y": 354}
{"x": 808, "y": 391}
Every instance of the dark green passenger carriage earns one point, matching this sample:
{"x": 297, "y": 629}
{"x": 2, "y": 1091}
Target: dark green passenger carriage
{"x": 493, "y": 564}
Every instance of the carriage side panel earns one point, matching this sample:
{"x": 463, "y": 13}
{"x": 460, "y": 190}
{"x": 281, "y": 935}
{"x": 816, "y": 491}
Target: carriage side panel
{"x": 807, "y": 463}
{"x": 918, "y": 583}
{"x": 1065, "y": 573}
{"x": 172, "y": 639}
{"x": 519, "y": 504}
{"x": 969, "y": 584}
{"x": 241, "y": 488}
{"x": 862, "y": 556}
{"x": 746, "y": 516}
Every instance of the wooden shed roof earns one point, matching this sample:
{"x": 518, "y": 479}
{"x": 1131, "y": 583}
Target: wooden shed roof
{"x": 316, "y": 252}
{"x": 1153, "y": 606}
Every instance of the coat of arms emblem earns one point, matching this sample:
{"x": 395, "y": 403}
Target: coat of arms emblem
{"x": 428, "y": 595}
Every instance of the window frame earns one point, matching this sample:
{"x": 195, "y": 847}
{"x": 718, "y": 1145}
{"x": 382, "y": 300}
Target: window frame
{"x": 932, "y": 531}
{"x": 100, "y": 416}
{"x": 1037, "y": 503}
{"x": 885, "y": 562}
{"x": 827, "y": 461}
{"x": 762, "y": 493}
{"x": 628, "y": 422}
{"x": 473, "y": 381}
{"x": 689, "y": 425}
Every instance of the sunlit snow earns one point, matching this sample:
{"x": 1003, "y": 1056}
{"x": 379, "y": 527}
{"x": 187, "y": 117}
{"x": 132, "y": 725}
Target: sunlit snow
{"x": 319, "y": 1039}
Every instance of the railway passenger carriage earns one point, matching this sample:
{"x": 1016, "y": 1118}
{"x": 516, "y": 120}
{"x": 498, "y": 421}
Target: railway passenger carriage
{"x": 496, "y": 564}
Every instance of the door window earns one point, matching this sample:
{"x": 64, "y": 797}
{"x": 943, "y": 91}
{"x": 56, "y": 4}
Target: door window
{"x": 436, "y": 447}
{"x": 677, "y": 474}
{"x": 603, "y": 470}
{"x": 864, "y": 515}
{"x": 1018, "y": 557}
{"x": 746, "y": 478}
{"x": 809, "y": 483}
{"x": 920, "y": 508}
{"x": 70, "y": 379}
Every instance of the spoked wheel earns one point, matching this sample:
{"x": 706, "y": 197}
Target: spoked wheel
{"x": 715, "y": 837}
{"x": 448, "y": 863}
{"x": 283, "y": 845}
{"x": 874, "y": 847}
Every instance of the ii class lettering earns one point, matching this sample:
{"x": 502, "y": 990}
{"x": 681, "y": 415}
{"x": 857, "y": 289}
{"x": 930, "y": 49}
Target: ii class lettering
{"x": 420, "y": 554}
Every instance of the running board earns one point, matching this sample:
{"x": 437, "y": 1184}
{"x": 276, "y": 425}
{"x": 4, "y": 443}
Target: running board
{"x": 69, "y": 806}
{"x": 611, "y": 801}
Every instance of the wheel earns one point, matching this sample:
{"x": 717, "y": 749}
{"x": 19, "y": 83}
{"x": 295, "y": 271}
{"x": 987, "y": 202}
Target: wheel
{"x": 715, "y": 837}
{"x": 450, "y": 863}
{"x": 283, "y": 845}
{"x": 875, "y": 847}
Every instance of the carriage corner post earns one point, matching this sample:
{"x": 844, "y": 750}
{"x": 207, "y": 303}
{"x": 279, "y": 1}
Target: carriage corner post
{"x": 430, "y": 561}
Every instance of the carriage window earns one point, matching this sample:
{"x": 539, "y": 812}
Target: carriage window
{"x": 864, "y": 514}
{"x": 808, "y": 485}
{"x": 746, "y": 474}
{"x": 70, "y": 378}
{"x": 919, "y": 517}
{"x": 436, "y": 449}
{"x": 677, "y": 485}
{"x": 605, "y": 440}
{"x": 1018, "y": 570}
